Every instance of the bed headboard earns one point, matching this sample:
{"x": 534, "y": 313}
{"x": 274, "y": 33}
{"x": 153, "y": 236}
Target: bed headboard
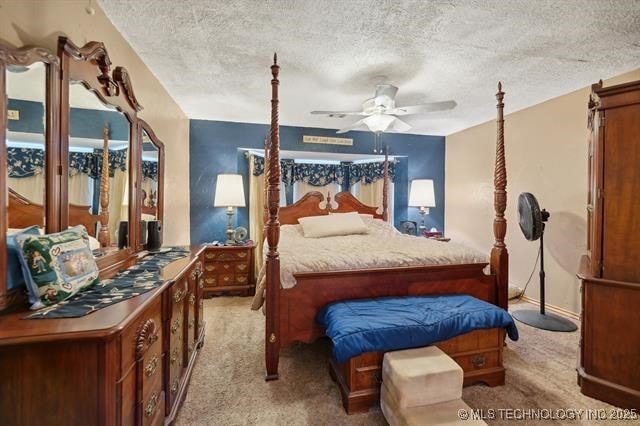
{"x": 24, "y": 213}
{"x": 310, "y": 205}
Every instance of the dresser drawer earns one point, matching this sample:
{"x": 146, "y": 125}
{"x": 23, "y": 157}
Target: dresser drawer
{"x": 152, "y": 409}
{"x": 152, "y": 374}
{"x": 143, "y": 335}
{"x": 218, "y": 256}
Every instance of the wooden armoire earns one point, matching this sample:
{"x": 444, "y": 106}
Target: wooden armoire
{"x": 609, "y": 367}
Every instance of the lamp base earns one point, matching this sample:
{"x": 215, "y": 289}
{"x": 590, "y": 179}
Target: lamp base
{"x": 229, "y": 241}
{"x": 544, "y": 321}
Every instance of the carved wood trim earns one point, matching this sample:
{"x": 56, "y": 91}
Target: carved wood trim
{"x": 499, "y": 254}
{"x": 272, "y": 231}
{"x": 103, "y": 235}
{"x": 147, "y": 335}
{"x": 385, "y": 186}
{"x": 27, "y": 55}
{"x": 121, "y": 76}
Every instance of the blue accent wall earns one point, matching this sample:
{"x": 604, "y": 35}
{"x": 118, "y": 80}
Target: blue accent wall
{"x": 214, "y": 148}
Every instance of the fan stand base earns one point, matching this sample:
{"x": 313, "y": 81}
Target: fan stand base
{"x": 544, "y": 321}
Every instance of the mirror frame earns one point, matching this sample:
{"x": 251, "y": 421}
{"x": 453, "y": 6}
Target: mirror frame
{"x": 90, "y": 66}
{"x": 26, "y": 56}
{"x": 144, "y": 126}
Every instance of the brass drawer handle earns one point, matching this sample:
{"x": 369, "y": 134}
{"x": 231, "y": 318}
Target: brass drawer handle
{"x": 200, "y": 285}
{"x": 226, "y": 266}
{"x": 210, "y": 255}
{"x": 192, "y": 299}
{"x": 178, "y": 295}
{"x": 479, "y": 361}
{"x": 151, "y": 366}
{"x": 174, "y": 356}
{"x": 193, "y": 275}
{"x": 242, "y": 255}
{"x": 242, "y": 266}
{"x": 210, "y": 268}
{"x": 174, "y": 386}
{"x": 241, "y": 279}
{"x": 151, "y": 405}
{"x": 210, "y": 280}
{"x": 175, "y": 325}
{"x": 226, "y": 278}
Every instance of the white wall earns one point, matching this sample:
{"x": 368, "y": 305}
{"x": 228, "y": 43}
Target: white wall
{"x": 29, "y": 22}
{"x": 546, "y": 154}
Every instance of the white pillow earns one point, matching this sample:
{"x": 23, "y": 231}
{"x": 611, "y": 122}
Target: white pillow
{"x": 362, "y": 215}
{"x": 332, "y": 225}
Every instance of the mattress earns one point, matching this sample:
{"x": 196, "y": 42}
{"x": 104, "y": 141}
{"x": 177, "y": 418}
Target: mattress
{"x": 382, "y": 247}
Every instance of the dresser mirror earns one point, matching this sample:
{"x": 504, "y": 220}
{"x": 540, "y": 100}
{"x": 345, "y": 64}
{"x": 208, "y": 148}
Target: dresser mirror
{"x": 100, "y": 127}
{"x": 28, "y": 90}
{"x": 98, "y": 196}
{"x": 152, "y": 175}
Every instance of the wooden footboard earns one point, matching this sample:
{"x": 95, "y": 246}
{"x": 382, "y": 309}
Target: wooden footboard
{"x": 299, "y": 305}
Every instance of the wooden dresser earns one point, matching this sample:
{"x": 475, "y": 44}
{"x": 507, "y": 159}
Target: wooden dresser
{"x": 228, "y": 269}
{"x": 126, "y": 364}
{"x": 609, "y": 367}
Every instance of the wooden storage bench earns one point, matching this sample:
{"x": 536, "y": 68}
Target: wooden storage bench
{"x": 479, "y": 353}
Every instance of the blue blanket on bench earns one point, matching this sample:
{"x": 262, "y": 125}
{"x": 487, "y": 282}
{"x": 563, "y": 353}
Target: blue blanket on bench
{"x": 392, "y": 323}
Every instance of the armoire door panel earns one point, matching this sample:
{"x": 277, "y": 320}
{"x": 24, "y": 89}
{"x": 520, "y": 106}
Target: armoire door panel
{"x": 621, "y": 223}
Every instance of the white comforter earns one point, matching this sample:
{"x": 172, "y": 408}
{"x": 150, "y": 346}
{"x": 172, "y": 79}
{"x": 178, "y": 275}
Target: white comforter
{"x": 382, "y": 247}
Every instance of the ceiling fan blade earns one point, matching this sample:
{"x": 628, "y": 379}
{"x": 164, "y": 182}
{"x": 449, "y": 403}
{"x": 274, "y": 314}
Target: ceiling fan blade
{"x": 399, "y": 125}
{"x": 353, "y": 126}
{"x": 337, "y": 114}
{"x": 419, "y": 109}
{"x": 388, "y": 90}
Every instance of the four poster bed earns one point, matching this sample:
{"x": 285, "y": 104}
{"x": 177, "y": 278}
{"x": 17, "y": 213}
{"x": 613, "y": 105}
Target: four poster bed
{"x": 291, "y": 312}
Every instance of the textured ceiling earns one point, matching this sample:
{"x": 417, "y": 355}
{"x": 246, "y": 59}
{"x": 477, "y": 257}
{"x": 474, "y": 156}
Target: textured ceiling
{"x": 213, "y": 56}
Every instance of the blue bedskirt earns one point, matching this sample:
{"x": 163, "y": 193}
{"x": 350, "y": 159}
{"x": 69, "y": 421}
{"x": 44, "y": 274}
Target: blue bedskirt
{"x": 393, "y": 323}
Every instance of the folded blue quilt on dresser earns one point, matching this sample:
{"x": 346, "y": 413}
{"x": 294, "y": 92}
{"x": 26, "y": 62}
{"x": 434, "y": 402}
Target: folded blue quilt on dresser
{"x": 392, "y": 323}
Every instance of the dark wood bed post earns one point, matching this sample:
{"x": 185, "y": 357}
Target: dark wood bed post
{"x": 272, "y": 231}
{"x": 385, "y": 186}
{"x": 499, "y": 253}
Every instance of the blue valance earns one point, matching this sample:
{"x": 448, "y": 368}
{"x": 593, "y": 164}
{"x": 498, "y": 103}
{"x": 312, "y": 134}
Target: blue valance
{"x": 369, "y": 172}
{"x": 24, "y": 162}
{"x": 27, "y": 162}
{"x": 323, "y": 174}
{"x": 150, "y": 170}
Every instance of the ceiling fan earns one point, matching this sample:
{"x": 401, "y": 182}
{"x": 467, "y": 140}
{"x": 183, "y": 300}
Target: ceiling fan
{"x": 381, "y": 113}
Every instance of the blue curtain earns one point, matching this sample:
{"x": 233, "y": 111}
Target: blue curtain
{"x": 27, "y": 162}
{"x": 150, "y": 170}
{"x": 323, "y": 174}
{"x": 24, "y": 162}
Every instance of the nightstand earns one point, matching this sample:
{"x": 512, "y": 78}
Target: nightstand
{"x": 228, "y": 270}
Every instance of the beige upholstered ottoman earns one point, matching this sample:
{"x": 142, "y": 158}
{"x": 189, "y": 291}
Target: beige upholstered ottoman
{"x": 422, "y": 386}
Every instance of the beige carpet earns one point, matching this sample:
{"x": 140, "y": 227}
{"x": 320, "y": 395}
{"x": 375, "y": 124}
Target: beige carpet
{"x": 228, "y": 388}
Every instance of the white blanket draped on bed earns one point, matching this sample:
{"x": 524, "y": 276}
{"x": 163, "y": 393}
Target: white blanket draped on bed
{"x": 382, "y": 247}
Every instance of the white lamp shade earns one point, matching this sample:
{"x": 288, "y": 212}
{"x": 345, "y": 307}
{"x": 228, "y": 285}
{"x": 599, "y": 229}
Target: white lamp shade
{"x": 229, "y": 191}
{"x": 421, "y": 193}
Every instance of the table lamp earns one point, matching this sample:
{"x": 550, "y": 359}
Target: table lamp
{"x": 229, "y": 194}
{"x": 421, "y": 195}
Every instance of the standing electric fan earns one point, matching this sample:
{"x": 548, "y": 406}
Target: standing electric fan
{"x": 532, "y": 220}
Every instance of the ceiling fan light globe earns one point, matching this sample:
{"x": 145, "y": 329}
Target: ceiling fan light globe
{"x": 379, "y": 122}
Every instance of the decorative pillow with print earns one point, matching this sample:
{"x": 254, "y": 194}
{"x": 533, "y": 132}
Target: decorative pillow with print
{"x": 60, "y": 264}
